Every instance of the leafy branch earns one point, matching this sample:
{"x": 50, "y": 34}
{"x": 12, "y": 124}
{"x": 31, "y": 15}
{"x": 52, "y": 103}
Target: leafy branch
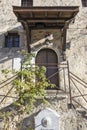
{"x": 31, "y": 84}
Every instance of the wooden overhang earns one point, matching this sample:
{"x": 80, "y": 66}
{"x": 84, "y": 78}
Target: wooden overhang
{"x": 45, "y": 17}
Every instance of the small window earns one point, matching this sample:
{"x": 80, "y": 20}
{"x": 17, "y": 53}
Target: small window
{"x": 27, "y": 3}
{"x": 84, "y": 3}
{"x": 12, "y": 40}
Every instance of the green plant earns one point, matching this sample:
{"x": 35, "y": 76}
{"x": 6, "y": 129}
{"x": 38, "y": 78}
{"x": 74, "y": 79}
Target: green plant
{"x": 5, "y": 116}
{"x": 30, "y": 85}
{"x": 5, "y": 71}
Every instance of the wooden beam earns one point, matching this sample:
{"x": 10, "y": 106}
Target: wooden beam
{"x": 48, "y": 27}
{"x": 64, "y": 39}
{"x": 44, "y": 9}
{"x": 43, "y": 18}
{"x": 23, "y": 24}
{"x": 45, "y": 25}
{"x": 45, "y": 21}
{"x": 59, "y": 14}
{"x": 73, "y": 15}
{"x": 46, "y": 14}
{"x": 28, "y": 35}
{"x": 66, "y": 26}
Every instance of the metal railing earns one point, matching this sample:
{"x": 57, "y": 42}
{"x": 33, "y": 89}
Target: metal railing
{"x": 69, "y": 80}
{"x": 73, "y": 82}
{"x": 5, "y": 83}
{"x": 77, "y": 83}
{"x": 59, "y": 67}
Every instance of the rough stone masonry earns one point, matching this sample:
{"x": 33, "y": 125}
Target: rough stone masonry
{"x": 76, "y": 54}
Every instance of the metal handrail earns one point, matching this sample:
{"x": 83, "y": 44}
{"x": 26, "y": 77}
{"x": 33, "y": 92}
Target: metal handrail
{"x": 79, "y": 90}
{"x": 75, "y": 79}
{"x": 6, "y": 94}
{"x": 79, "y": 96}
{"x": 8, "y": 81}
{"x": 52, "y": 75}
{"x": 69, "y": 85}
{"x": 80, "y": 104}
{"x": 71, "y": 78}
{"x": 85, "y": 86}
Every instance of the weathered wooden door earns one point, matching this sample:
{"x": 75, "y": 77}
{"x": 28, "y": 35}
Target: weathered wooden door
{"x": 48, "y": 58}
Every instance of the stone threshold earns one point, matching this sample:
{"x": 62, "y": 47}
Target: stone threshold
{"x": 58, "y": 94}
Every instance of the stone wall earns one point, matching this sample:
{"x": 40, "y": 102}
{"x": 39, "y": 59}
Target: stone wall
{"x": 76, "y": 54}
{"x": 76, "y": 34}
{"x": 57, "y": 3}
{"x": 8, "y": 23}
{"x": 56, "y": 43}
{"x": 67, "y": 118}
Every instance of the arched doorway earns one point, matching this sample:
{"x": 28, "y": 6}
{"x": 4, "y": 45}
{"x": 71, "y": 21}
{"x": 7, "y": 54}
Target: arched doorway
{"x": 48, "y": 58}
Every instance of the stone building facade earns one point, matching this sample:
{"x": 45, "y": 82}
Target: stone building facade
{"x": 75, "y": 53}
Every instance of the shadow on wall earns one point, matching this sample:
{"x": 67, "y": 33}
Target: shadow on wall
{"x": 10, "y": 46}
{"x": 24, "y": 121}
{"x": 16, "y": 118}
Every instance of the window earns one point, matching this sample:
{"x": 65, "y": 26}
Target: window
{"x": 12, "y": 40}
{"x": 84, "y": 3}
{"x": 27, "y": 2}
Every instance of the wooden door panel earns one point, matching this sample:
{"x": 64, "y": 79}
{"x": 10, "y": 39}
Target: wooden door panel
{"x": 48, "y": 58}
{"x": 41, "y": 58}
{"x": 53, "y": 75}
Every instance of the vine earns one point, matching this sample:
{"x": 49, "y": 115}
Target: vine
{"x": 32, "y": 84}
{"x": 29, "y": 86}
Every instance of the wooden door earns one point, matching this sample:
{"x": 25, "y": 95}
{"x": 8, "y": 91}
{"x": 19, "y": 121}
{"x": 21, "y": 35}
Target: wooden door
{"x": 48, "y": 58}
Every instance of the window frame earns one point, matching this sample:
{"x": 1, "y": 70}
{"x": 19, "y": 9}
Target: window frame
{"x": 27, "y": 3}
{"x": 10, "y": 40}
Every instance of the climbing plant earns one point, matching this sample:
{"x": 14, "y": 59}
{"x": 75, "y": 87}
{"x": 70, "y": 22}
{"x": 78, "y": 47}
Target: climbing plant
{"x": 31, "y": 84}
